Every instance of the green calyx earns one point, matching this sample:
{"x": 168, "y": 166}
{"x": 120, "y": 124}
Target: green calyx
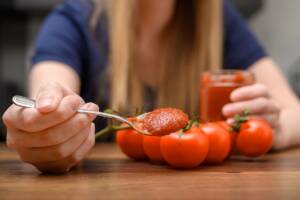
{"x": 239, "y": 119}
{"x": 191, "y": 123}
{"x": 180, "y": 133}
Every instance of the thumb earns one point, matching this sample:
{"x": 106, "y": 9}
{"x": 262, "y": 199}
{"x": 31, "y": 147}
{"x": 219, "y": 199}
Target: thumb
{"x": 49, "y": 97}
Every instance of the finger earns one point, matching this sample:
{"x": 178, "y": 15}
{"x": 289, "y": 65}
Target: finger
{"x": 49, "y": 97}
{"x": 31, "y": 120}
{"x": 64, "y": 165}
{"x": 85, "y": 147}
{"x": 255, "y": 106}
{"x": 272, "y": 119}
{"x": 230, "y": 121}
{"x": 57, "y": 152}
{"x": 55, "y": 135}
{"x": 249, "y": 92}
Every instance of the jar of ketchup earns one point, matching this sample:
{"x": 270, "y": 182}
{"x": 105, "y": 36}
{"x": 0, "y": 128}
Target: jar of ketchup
{"x": 215, "y": 90}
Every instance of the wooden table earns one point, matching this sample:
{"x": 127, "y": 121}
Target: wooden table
{"x": 108, "y": 174}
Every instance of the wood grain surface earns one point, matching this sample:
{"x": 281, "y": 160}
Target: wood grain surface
{"x": 107, "y": 174}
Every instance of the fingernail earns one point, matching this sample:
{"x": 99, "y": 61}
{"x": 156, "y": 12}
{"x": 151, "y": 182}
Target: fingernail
{"x": 230, "y": 121}
{"x": 74, "y": 103}
{"x": 45, "y": 101}
{"x": 91, "y": 106}
{"x": 93, "y": 127}
{"x": 225, "y": 109}
{"x": 232, "y": 96}
{"x": 85, "y": 106}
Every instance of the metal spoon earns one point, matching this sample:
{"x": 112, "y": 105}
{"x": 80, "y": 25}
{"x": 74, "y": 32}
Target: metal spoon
{"x": 30, "y": 103}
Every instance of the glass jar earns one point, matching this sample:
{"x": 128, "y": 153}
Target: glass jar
{"x": 215, "y": 90}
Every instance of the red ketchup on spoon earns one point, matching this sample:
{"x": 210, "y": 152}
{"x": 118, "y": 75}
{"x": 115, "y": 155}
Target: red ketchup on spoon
{"x": 161, "y": 121}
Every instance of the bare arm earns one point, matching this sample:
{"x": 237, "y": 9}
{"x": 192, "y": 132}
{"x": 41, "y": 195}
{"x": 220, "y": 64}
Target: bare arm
{"x": 267, "y": 73}
{"x": 51, "y": 71}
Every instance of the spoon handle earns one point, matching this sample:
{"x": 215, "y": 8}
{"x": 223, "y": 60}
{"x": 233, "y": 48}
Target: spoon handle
{"x": 25, "y": 102}
{"x": 106, "y": 115}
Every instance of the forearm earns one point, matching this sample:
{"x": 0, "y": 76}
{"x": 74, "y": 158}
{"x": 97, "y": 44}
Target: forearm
{"x": 50, "y": 71}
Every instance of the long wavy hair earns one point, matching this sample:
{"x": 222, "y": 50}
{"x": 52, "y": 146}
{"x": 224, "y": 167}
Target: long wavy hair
{"x": 194, "y": 44}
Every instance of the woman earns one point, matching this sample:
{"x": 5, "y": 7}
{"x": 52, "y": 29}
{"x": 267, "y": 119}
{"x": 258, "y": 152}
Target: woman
{"x": 151, "y": 52}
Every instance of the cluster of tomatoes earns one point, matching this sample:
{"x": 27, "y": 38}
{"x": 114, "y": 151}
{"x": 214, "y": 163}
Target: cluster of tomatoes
{"x": 210, "y": 143}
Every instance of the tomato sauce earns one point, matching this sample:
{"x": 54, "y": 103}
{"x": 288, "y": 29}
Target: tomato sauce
{"x": 215, "y": 91}
{"x": 164, "y": 121}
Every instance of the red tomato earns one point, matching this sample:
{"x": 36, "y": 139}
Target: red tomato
{"x": 152, "y": 148}
{"x": 131, "y": 143}
{"x": 186, "y": 150}
{"x": 233, "y": 136}
{"x": 219, "y": 142}
{"x": 255, "y": 138}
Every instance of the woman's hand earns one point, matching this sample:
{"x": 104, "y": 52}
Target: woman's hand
{"x": 52, "y": 137}
{"x": 281, "y": 108}
{"x": 257, "y": 100}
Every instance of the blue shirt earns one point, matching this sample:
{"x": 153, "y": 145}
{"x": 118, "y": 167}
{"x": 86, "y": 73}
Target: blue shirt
{"x": 66, "y": 37}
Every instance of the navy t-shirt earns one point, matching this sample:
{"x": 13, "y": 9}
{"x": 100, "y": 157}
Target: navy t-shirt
{"x": 66, "y": 36}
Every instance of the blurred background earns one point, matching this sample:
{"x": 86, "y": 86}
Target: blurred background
{"x": 275, "y": 22}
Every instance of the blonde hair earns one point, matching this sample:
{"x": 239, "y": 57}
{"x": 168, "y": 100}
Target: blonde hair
{"x": 194, "y": 45}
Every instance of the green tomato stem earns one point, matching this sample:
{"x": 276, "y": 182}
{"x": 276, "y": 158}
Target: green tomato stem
{"x": 110, "y": 129}
{"x": 239, "y": 119}
{"x": 190, "y": 125}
